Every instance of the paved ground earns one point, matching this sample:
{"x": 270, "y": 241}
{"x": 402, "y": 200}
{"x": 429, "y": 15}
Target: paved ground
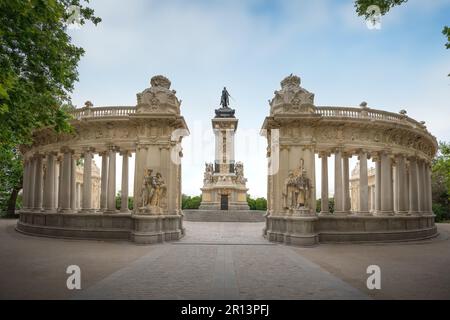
{"x": 219, "y": 261}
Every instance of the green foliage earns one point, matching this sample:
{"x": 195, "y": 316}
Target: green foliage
{"x": 330, "y": 205}
{"x": 119, "y": 201}
{"x": 440, "y": 182}
{"x": 38, "y": 66}
{"x": 384, "y": 5}
{"x": 188, "y": 202}
{"x": 446, "y": 32}
{"x": 257, "y": 204}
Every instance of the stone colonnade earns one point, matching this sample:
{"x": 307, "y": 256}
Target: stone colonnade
{"x": 408, "y": 193}
{"x": 50, "y": 186}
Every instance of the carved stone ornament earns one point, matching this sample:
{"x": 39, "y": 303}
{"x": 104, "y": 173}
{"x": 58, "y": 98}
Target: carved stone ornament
{"x": 292, "y": 98}
{"x": 297, "y": 189}
{"x": 158, "y": 98}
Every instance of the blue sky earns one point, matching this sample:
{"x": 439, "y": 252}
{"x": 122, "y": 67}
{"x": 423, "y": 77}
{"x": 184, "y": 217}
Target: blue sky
{"x": 250, "y": 46}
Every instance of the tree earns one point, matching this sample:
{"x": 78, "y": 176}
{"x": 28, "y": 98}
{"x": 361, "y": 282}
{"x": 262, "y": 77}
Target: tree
{"x": 330, "y": 205}
{"x": 38, "y": 69}
{"x": 440, "y": 182}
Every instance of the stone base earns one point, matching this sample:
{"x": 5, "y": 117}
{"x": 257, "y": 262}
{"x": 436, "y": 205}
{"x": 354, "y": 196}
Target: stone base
{"x": 305, "y": 231}
{"x": 102, "y": 226}
{"x": 224, "y": 215}
{"x": 232, "y": 206}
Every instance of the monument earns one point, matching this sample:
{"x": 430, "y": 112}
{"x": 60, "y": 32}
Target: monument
{"x": 224, "y": 184}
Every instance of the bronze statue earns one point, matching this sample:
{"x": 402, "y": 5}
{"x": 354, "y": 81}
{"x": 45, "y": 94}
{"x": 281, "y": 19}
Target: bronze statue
{"x": 224, "y": 100}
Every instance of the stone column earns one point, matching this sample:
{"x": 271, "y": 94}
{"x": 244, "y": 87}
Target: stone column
{"x": 395, "y": 185}
{"x": 26, "y": 182}
{"x": 38, "y": 183}
{"x": 104, "y": 182}
{"x": 73, "y": 184}
{"x": 377, "y": 184}
{"x": 346, "y": 183}
{"x": 324, "y": 190}
{"x": 401, "y": 185}
{"x": 56, "y": 182}
{"x": 49, "y": 184}
{"x": 87, "y": 181}
{"x": 363, "y": 185}
{"x": 111, "y": 201}
{"x": 413, "y": 187}
{"x": 338, "y": 192}
{"x": 386, "y": 185}
{"x": 124, "y": 194}
{"x": 65, "y": 180}
{"x": 31, "y": 185}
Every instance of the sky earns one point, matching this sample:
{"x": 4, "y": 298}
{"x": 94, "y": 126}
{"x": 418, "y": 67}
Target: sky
{"x": 249, "y": 47}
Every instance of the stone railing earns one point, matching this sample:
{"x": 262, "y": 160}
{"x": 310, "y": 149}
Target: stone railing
{"x": 366, "y": 113}
{"x": 99, "y": 112}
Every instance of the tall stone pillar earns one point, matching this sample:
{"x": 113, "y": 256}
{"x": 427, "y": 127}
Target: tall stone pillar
{"x": 413, "y": 187}
{"x": 124, "y": 195}
{"x": 346, "y": 182}
{"x": 38, "y": 183}
{"x": 377, "y": 184}
{"x": 49, "y": 187}
{"x": 31, "y": 185}
{"x": 363, "y": 185}
{"x": 73, "y": 184}
{"x": 87, "y": 181}
{"x": 111, "y": 201}
{"x": 104, "y": 182}
{"x": 66, "y": 172}
{"x": 338, "y": 192}
{"x": 386, "y": 185}
{"x": 56, "y": 182}
{"x": 324, "y": 190}
{"x": 401, "y": 185}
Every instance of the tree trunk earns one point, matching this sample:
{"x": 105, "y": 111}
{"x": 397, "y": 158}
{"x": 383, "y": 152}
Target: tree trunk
{"x": 11, "y": 210}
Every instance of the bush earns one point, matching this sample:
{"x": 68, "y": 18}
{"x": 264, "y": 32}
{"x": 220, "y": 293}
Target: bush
{"x": 188, "y": 202}
{"x": 330, "y": 205}
{"x": 257, "y": 204}
{"x": 441, "y": 213}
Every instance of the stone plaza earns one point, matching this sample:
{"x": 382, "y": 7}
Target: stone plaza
{"x": 220, "y": 261}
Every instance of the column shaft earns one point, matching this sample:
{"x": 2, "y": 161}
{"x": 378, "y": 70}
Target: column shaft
{"x": 324, "y": 190}
{"x": 402, "y": 186}
{"x": 87, "y": 181}
{"x": 413, "y": 187}
{"x": 49, "y": 191}
{"x": 104, "y": 182}
{"x": 386, "y": 185}
{"x": 65, "y": 181}
{"x": 363, "y": 185}
{"x": 38, "y": 184}
{"x": 73, "y": 184}
{"x": 378, "y": 185}
{"x": 338, "y": 192}
{"x": 346, "y": 184}
{"x": 124, "y": 195}
{"x": 111, "y": 201}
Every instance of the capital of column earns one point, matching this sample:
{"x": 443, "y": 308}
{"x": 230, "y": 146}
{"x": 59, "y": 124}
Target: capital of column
{"x": 284, "y": 147}
{"x": 324, "y": 154}
{"x": 87, "y": 150}
{"x": 127, "y": 153}
{"x": 113, "y": 148}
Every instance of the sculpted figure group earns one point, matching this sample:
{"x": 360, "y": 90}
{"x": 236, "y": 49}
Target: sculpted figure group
{"x": 153, "y": 190}
{"x": 297, "y": 189}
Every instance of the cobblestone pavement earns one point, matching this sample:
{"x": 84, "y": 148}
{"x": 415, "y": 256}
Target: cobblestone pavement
{"x": 222, "y": 261}
{"x": 219, "y": 261}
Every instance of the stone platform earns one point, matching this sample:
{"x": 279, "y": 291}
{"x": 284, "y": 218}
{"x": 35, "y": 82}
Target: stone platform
{"x": 312, "y": 230}
{"x": 224, "y": 215}
{"x": 117, "y": 226}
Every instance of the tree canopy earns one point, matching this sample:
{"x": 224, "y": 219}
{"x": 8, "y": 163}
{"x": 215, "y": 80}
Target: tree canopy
{"x": 38, "y": 69}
